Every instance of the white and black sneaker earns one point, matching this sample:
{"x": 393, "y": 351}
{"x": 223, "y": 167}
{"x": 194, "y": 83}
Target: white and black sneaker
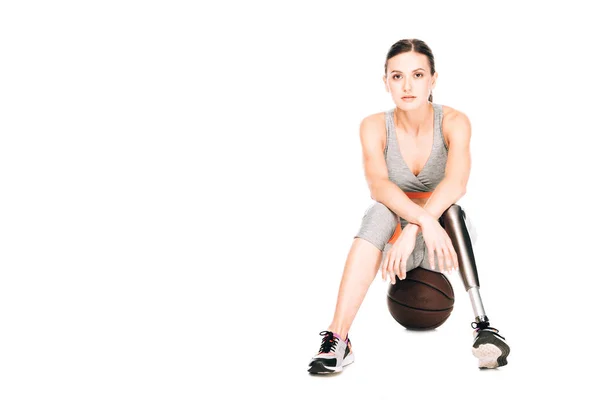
{"x": 334, "y": 354}
{"x": 489, "y": 346}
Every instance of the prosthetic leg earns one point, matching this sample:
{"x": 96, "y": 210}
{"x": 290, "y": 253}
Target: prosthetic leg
{"x": 488, "y": 346}
{"x": 453, "y": 222}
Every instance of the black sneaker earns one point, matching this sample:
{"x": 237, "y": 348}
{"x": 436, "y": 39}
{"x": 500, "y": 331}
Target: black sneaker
{"x": 334, "y": 354}
{"x": 489, "y": 346}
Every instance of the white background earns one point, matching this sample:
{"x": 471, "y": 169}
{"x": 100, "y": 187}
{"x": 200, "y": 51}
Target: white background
{"x": 180, "y": 184}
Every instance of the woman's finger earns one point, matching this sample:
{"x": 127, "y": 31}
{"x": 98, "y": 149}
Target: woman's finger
{"x": 431, "y": 258}
{"x": 442, "y": 259}
{"x": 391, "y": 269}
{"x": 439, "y": 251}
{"x": 383, "y": 266}
{"x": 397, "y": 266}
{"x": 452, "y": 258}
{"x": 447, "y": 259}
{"x": 455, "y": 257}
{"x": 403, "y": 268}
{"x": 387, "y": 266}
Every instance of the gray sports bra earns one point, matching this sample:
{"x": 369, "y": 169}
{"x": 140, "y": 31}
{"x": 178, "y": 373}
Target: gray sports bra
{"x": 434, "y": 169}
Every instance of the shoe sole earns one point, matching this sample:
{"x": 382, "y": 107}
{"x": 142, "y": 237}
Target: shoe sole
{"x": 491, "y": 352}
{"x": 317, "y": 367}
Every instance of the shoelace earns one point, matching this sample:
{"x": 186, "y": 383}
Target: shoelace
{"x": 484, "y": 324}
{"x": 328, "y": 343}
{"x": 480, "y": 325}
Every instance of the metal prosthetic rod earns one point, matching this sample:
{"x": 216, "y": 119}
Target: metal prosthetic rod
{"x": 453, "y": 221}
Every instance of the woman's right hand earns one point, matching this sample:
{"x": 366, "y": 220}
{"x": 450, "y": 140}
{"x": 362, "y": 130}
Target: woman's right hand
{"x": 438, "y": 242}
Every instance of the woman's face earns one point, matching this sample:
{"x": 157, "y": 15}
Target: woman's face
{"x": 408, "y": 74}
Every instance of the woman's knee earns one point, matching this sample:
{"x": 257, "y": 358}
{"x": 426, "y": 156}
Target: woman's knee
{"x": 378, "y": 225}
{"x": 381, "y": 213}
{"x": 375, "y": 241}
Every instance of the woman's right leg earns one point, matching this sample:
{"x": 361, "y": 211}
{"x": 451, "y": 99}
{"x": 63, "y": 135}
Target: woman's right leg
{"x": 363, "y": 262}
{"x": 361, "y": 268}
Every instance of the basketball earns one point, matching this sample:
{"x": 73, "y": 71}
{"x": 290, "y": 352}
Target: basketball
{"x": 421, "y": 301}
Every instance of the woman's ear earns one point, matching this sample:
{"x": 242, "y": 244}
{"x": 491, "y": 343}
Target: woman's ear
{"x": 387, "y": 88}
{"x": 434, "y": 80}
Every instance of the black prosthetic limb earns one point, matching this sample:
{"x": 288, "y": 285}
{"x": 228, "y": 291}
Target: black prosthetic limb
{"x": 454, "y": 223}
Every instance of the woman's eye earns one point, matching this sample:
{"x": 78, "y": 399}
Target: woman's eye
{"x": 418, "y": 73}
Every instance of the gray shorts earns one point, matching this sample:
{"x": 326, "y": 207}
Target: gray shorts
{"x": 378, "y": 226}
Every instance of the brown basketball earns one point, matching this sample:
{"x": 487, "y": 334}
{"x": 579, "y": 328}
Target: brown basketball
{"x": 424, "y": 300}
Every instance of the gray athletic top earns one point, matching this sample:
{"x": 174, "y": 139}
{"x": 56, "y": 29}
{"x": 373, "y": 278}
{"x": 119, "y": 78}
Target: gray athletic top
{"x": 435, "y": 167}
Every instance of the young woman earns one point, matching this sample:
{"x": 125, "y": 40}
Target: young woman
{"x": 416, "y": 167}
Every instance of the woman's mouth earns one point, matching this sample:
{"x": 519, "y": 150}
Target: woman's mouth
{"x": 409, "y": 98}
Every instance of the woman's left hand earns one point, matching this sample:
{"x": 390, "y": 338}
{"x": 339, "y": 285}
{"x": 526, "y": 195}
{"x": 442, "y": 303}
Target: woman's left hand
{"x": 397, "y": 256}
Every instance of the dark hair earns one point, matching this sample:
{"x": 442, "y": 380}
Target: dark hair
{"x": 407, "y": 45}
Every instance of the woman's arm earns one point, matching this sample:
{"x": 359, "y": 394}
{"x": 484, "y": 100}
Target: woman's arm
{"x": 388, "y": 193}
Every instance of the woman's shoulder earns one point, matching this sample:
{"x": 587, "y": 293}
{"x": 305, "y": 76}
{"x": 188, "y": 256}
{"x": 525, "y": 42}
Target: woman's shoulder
{"x": 373, "y": 129}
{"x": 375, "y": 121}
{"x": 451, "y": 114}
{"x": 377, "y": 117}
{"x": 454, "y": 120}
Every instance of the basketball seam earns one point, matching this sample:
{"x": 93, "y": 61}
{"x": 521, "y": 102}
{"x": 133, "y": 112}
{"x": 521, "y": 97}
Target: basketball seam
{"x": 433, "y": 287}
{"x": 416, "y": 308}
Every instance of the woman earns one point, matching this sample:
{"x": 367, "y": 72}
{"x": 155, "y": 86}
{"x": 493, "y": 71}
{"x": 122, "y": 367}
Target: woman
{"x": 408, "y": 154}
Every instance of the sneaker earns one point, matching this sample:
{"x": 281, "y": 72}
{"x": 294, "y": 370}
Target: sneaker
{"x": 334, "y": 354}
{"x": 489, "y": 346}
